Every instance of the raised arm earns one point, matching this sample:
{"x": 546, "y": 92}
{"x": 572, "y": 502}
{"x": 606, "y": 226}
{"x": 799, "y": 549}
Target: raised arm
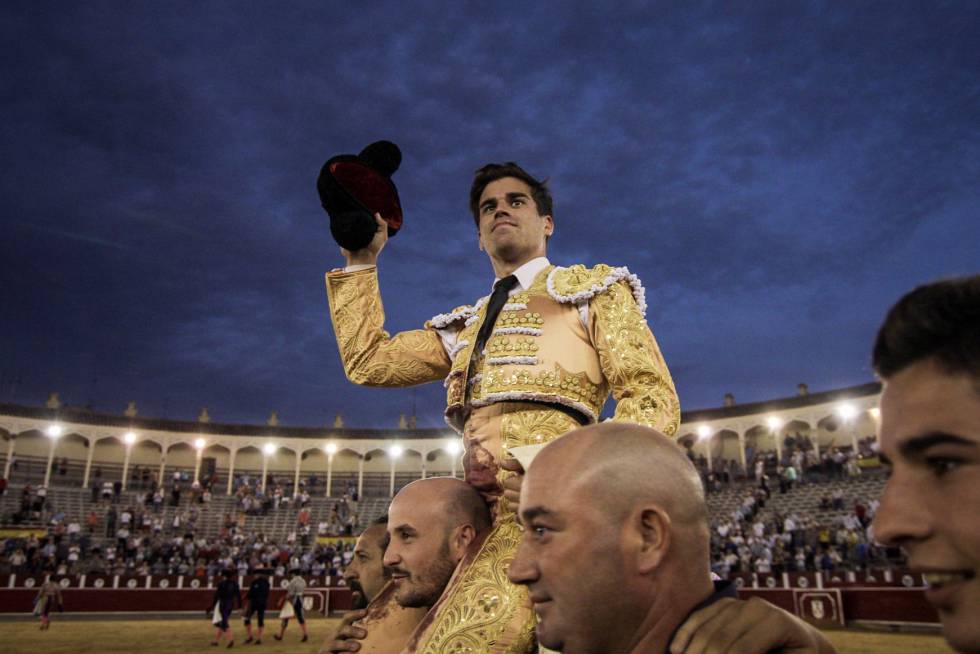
{"x": 370, "y": 355}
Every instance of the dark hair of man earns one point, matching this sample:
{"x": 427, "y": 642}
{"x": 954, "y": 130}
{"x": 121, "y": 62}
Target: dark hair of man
{"x": 492, "y": 172}
{"x": 383, "y": 543}
{"x": 386, "y": 539}
{"x": 939, "y": 321}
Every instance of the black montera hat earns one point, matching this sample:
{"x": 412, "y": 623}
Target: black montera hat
{"x": 353, "y": 188}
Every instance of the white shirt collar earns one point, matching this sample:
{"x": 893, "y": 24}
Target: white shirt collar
{"x": 526, "y": 273}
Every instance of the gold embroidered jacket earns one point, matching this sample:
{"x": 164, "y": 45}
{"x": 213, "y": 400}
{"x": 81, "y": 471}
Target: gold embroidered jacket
{"x": 538, "y": 351}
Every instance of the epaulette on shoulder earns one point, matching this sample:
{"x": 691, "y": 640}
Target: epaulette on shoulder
{"x": 465, "y": 313}
{"x": 579, "y": 284}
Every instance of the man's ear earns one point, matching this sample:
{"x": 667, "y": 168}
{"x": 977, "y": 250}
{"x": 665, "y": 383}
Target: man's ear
{"x": 549, "y": 225}
{"x": 460, "y": 541}
{"x": 652, "y": 526}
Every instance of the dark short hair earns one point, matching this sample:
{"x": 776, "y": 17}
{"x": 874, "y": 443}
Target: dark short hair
{"x": 939, "y": 321}
{"x": 383, "y": 544}
{"x": 493, "y": 171}
{"x": 386, "y": 539}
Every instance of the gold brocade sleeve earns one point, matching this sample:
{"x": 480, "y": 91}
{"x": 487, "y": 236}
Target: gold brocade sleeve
{"x": 632, "y": 362}
{"x": 370, "y": 356}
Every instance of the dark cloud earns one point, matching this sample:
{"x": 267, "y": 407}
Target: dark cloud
{"x": 776, "y": 173}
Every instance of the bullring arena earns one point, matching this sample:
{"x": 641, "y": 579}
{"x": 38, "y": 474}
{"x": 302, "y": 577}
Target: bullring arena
{"x": 134, "y": 516}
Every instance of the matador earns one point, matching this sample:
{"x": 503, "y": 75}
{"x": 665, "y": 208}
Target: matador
{"x": 564, "y": 339}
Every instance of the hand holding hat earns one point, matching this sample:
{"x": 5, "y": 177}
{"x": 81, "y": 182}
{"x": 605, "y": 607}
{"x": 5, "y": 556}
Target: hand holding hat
{"x": 353, "y": 188}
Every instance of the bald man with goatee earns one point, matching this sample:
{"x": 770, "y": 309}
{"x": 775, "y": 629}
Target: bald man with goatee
{"x": 615, "y": 554}
{"x": 433, "y": 525}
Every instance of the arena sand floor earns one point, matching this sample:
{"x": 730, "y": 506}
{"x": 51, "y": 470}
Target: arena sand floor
{"x": 68, "y": 636}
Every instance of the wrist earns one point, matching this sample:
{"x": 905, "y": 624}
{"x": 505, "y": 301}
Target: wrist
{"x": 362, "y": 258}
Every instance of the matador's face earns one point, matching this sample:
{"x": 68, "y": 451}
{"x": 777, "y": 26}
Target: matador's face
{"x": 511, "y": 229}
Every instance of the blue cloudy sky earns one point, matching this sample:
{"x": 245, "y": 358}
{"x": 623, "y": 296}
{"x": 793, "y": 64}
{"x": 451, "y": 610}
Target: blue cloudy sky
{"x": 777, "y": 173}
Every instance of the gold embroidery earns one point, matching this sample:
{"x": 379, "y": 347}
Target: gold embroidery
{"x": 370, "y": 356}
{"x": 481, "y": 611}
{"x": 557, "y": 381}
{"x": 502, "y": 346}
{"x": 530, "y": 427}
{"x": 519, "y": 319}
{"x": 579, "y": 279}
{"x": 534, "y": 427}
{"x": 632, "y": 362}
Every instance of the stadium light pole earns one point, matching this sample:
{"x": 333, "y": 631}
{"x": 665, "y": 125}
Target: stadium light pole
{"x": 231, "y": 470}
{"x": 10, "y": 455}
{"x": 54, "y": 433}
{"x": 88, "y": 462}
{"x": 394, "y": 452}
{"x": 164, "y": 448}
{"x": 299, "y": 461}
{"x": 128, "y": 438}
{"x": 199, "y": 446}
{"x": 360, "y": 477}
{"x": 453, "y": 448}
{"x": 331, "y": 449}
{"x": 267, "y": 450}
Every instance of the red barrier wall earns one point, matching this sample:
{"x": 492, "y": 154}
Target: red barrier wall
{"x": 817, "y": 597}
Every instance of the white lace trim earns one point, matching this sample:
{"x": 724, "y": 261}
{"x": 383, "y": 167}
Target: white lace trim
{"x": 453, "y": 373}
{"x": 615, "y": 275}
{"x": 476, "y": 310}
{"x": 476, "y": 379}
{"x": 513, "y": 307}
{"x": 518, "y": 361}
{"x": 517, "y": 396}
{"x": 529, "y": 331}
{"x": 446, "y": 319}
{"x": 460, "y": 345}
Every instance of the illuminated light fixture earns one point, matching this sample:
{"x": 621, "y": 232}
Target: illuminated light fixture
{"x": 129, "y": 437}
{"x": 331, "y": 448}
{"x": 704, "y": 431}
{"x": 395, "y": 451}
{"x": 269, "y": 449}
{"x": 846, "y": 411}
{"x": 774, "y": 422}
{"x": 200, "y": 443}
{"x": 875, "y": 412}
{"x": 54, "y": 431}
{"x": 453, "y": 447}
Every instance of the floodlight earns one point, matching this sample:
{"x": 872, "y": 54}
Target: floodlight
{"x": 453, "y": 447}
{"x": 846, "y": 411}
{"x": 774, "y": 422}
{"x": 129, "y": 438}
{"x": 331, "y": 448}
{"x": 269, "y": 449}
{"x": 200, "y": 443}
{"x": 54, "y": 431}
{"x": 395, "y": 451}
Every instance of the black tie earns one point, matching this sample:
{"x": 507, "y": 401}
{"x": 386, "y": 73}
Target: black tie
{"x": 501, "y": 290}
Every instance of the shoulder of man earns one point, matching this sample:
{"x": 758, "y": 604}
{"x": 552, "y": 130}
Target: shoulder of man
{"x": 578, "y": 283}
{"x": 458, "y": 316}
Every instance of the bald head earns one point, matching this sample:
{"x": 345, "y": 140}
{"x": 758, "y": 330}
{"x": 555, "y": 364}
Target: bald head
{"x": 453, "y": 500}
{"x": 621, "y": 463}
{"x": 431, "y": 522}
{"x": 625, "y": 503}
